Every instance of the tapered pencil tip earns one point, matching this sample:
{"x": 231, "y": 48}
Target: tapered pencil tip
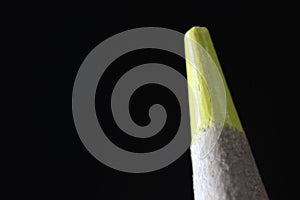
{"x": 196, "y": 29}
{"x": 208, "y": 91}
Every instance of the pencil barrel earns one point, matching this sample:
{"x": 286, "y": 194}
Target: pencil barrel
{"x": 228, "y": 171}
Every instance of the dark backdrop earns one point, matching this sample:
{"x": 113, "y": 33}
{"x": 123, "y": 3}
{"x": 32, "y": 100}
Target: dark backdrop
{"x": 254, "y": 46}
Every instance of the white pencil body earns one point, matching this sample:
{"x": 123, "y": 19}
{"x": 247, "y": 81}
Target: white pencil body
{"x": 228, "y": 172}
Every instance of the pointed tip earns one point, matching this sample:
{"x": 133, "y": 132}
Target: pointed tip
{"x": 196, "y": 58}
{"x": 201, "y": 35}
{"x": 196, "y": 30}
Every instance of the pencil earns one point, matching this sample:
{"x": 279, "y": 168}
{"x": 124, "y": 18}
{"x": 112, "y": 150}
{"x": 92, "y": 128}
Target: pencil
{"x": 222, "y": 162}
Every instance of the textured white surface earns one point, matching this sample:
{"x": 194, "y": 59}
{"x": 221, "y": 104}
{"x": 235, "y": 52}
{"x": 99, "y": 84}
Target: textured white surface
{"x": 228, "y": 172}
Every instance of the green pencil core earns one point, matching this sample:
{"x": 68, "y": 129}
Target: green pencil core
{"x": 200, "y": 96}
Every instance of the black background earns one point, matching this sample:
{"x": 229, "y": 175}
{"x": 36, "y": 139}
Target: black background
{"x": 254, "y": 45}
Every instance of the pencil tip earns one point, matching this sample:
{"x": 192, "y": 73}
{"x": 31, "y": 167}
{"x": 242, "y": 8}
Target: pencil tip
{"x": 204, "y": 75}
{"x": 196, "y": 30}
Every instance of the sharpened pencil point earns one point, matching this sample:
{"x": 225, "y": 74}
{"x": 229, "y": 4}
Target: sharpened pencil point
{"x": 200, "y": 57}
